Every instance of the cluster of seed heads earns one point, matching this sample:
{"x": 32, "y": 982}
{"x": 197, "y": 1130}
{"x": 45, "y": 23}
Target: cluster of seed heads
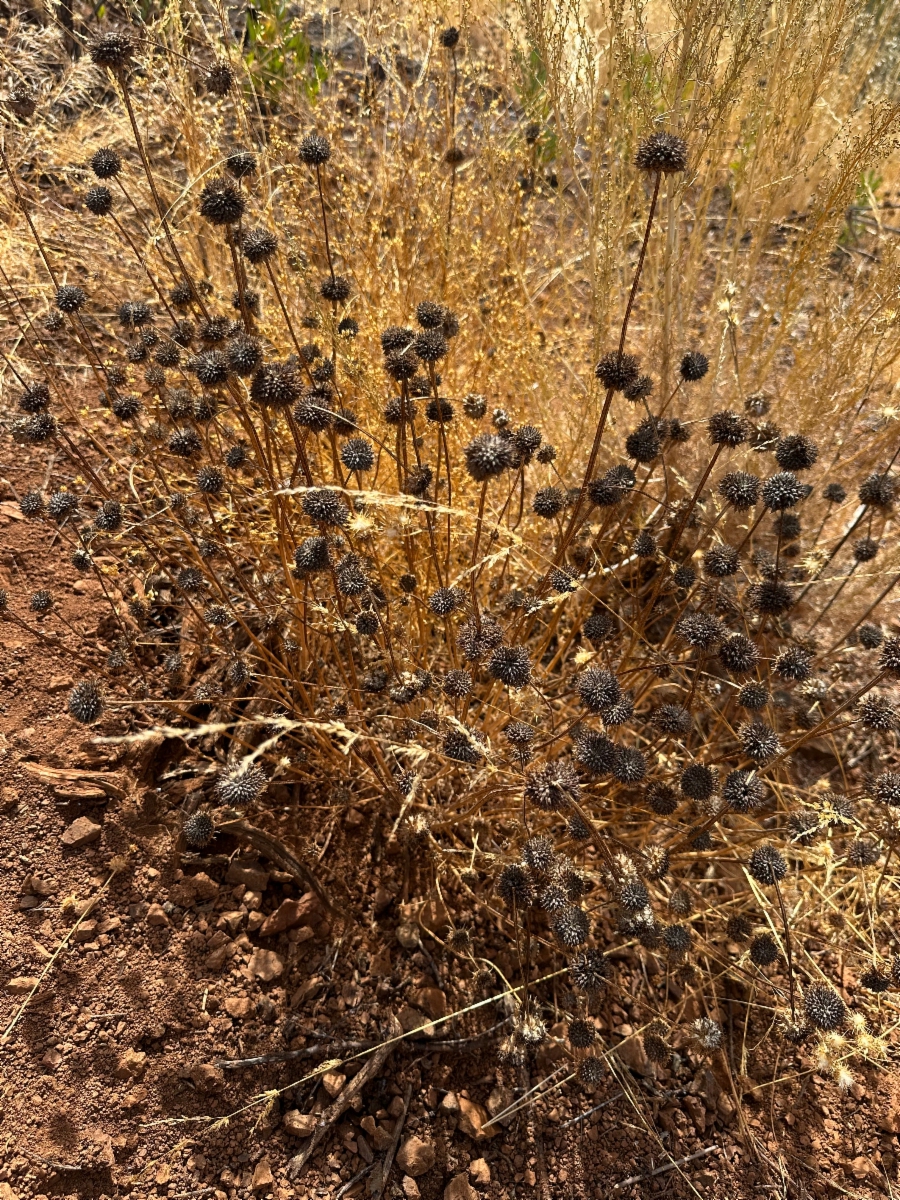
{"x": 662, "y": 645}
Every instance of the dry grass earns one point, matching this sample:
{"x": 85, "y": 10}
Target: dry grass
{"x": 774, "y": 253}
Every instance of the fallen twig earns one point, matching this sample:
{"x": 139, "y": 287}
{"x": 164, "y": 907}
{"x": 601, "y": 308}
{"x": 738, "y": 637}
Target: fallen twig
{"x": 679, "y": 1162}
{"x": 345, "y": 1188}
{"x": 370, "y": 1069}
{"x": 329, "y": 1048}
{"x": 395, "y": 1142}
{"x": 278, "y": 853}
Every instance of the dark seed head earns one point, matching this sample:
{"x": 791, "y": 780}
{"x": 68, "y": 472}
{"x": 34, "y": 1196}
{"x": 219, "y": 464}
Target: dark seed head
{"x": 86, "y": 701}
{"x": 767, "y": 865}
{"x": 221, "y": 202}
{"x": 728, "y": 428}
{"x": 199, "y": 830}
{"x": 740, "y": 489}
{"x": 764, "y": 950}
{"x": 69, "y": 298}
{"x": 488, "y": 455}
{"x": 617, "y": 371}
{"x": 98, "y": 200}
{"x": 694, "y": 366}
{"x": 664, "y": 152}
{"x": 743, "y": 791}
{"x": 314, "y": 150}
{"x": 220, "y": 78}
{"x": 336, "y": 289}
{"x": 796, "y": 452}
{"x": 113, "y": 50}
{"x": 106, "y": 163}
{"x": 824, "y": 1007}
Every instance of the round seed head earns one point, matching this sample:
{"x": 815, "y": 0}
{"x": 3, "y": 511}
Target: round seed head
{"x": 770, "y": 597}
{"x": 640, "y": 388}
{"x": 759, "y": 741}
{"x": 863, "y": 853}
{"x": 581, "y": 1034}
{"x": 86, "y": 701}
{"x": 764, "y": 950}
{"x": 693, "y": 366}
{"x": 113, "y": 50}
{"x": 781, "y": 491}
{"x": 31, "y": 504}
{"x": 643, "y": 444}
{"x": 488, "y": 455}
{"x": 106, "y": 163}
{"x": 824, "y": 1007}
{"x": 571, "y": 926}
{"x": 698, "y": 782}
{"x": 878, "y": 491}
{"x": 511, "y": 666}
{"x": 220, "y": 78}
{"x": 662, "y": 152}
{"x": 878, "y": 714}
{"x": 661, "y": 798}
{"x": 185, "y": 442}
{"x": 796, "y": 452}
{"x": 720, "y": 562}
{"x": 98, "y": 200}
{"x": 767, "y": 865}
{"x": 69, "y": 298}
{"x": 728, "y": 428}
{"x": 743, "y": 791}
{"x": 889, "y": 659}
{"x": 865, "y": 549}
{"x": 834, "y": 493}
{"x": 886, "y": 788}
{"x": 449, "y": 37}
{"x": 241, "y": 162}
{"x": 548, "y": 502}
{"x": 275, "y": 385}
{"x": 336, "y": 289}
{"x": 616, "y": 371}
{"x": 706, "y": 1034}
{"x": 445, "y": 601}
{"x": 314, "y": 150}
{"x": 199, "y": 830}
{"x": 701, "y": 630}
{"x": 325, "y": 507}
{"x": 552, "y": 786}
{"x": 41, "y": 601}
{"x": 874, "y": 980}
{"x": 793, "y": 663}
{"x": 221, "y": 202}
{"x": 740, "y": 489}
{"x": 595, "y": 752}
{"x": 591, "y": 1071}
{"x": 677, "y": 939}
{"x": 599, "y": 689}
{"x": 110, "y": 516}
{"x": 515, "y": 886}
{"x": 629, "y": 765}
{"x": 241, "y": 786}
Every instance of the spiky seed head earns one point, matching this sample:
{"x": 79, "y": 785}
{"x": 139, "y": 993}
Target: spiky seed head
{"x": 693, "y": 366}
{"x": 640, "y": 388}
{"x": 878, "y": 490}
{"x": 643, "y": 444}
{"x": 106, "y": 163}
{"x": 86, "y": 701}
{"x": 878, "y": 714}
{"x": 81, "y": 560}
{"x": 759, "y": 741}
{"x": 314, "y": 150}
{"x": 571, "y": 926}
{"x": 518, "y": 733}
{"x": 793, "y": 663}
{"x": 743, "y": 791}
{"x": 474, "y": 406}
{"x": 824, "y": 1007}
{"x": 796, "y": 452}
{"x": 335, "y": 289}
{"x": 31, "y": 504}
{"x": 633, "y": 896}
{"x": 661, "y": 798}
{"x": 41, "y": 601}
{"x": 511, "y": 666}
{"x": 211, "y": 368}
{"x": 865, "y": 549}
{"x": 445, "y": 600}
{"x": 35, "y": 398}
{"x": 457, "y": 684}
{"x": 591, "y": 1071}
{"x": 220, "y": 78}
{"x": 764, "y": 950}
{"x": 889, "y": 659}
{"x": 874, "y": 980}
{"x": 677, "y": 939}
{"x": 599, "y": 689}
{"x": 449, "y": 37}
{"x": 595, "y": 752}
{"x": 539, "y": 854}
{"x": 199, "y": 830}
{"x": 698, "y": 782}
{"x": 548, "y": 502}
{"x": 185, "y": 442}
{"x": 439, "y": 411}
{"x": 738, "y": 929}
{"x": 767, "y": 865}
{"x": 886, "y": 788}
{"x": 242, "y": 785}
{"x": 110, "y": 516}
{"x": 740, "y": 489}
{"x": 275, "y": 385}
{"x": 70, "y": 298}
{"x": 113, "y": 50}
{"x": 98, "y": 200}
{"x": 862, "y": 852}
{"x": 552, "y": 786}
{"x": 782, "y": 491}
{"x": 515, "y": 886}
{"x": 771, "y": 597}
{"x": 662, "y": 152}
{"x": 221, "y": 202}
{"x": 241, "y": 162}
{"x": 616, "y": 371}
{"x": 834, "y": 493}
{"x": 728, "y": 428}
{"x": 701, "y": 630}
{"x": 600, "y": 627}
{"x": 706, "y": 1034}
{"x": 581, "y": 1034}
{"x": 489, "y": 455}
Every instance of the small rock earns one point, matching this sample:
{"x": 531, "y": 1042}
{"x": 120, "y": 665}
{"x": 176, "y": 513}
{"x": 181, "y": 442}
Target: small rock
{"x": 237, "y": 1006}
{"x": 415, "y": 1157}
{"x": 255, "y": 919}
{"x": 449, "y": 1105}
{"x": 251, "y": 874}
{"x": 353, "y": 818}
{"x": 40, "y": 887}
{"x": 86, "y": 932}
{"x": 410, "y": 1188}
{"x": 265, "y": 965}
{"x": 459, "y": 1188}
{"x": 472, "y": 1118}
{"x": 480, "y": 1171}
{"x": 21, "y": 984}
{"x": 299, "y": 1124}
{"x": 163, "y": 1174}
{"x": 81, "y": 832}
{"x": 26, "y": 902}
{"x": 432, "y": 1000}
{"x": 408, "y": 936}
{"x": 381, "y": 899}
{"x": 156, "y": 915}
{"x": 52, "y": 1058}
{"x": 289, "y": 914}
{"x": 216, "y": 959}
{"x": 262, "y": 1175}
{"x": 59, "y": 683}
{"x": 498, "y": 1101}
{"x": 131, "y": 1065}
{"x": 232, "y": 921}
{"x": 412, "y": 1019}
{"x": 333, "y": 1082}
{"x": 6, "y": 1192}
{"x": 206, "y": 1076}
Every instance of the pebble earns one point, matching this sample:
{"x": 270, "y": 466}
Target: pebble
{"x": 156, "y": 915}
{"x": 459, "y": 1188}
{"x": 81, "y": 832}
{"x": 480, "y": 1171}
{"x": 251, "y": 874}
{"x": 299, "y": 1124}
{"x": 333, "y": 1082}
{"x": 289, "y": 914}
{"x": 266, "y": 965}
{"x": 21, "y": 984}
{"x": 415, "y": 1157}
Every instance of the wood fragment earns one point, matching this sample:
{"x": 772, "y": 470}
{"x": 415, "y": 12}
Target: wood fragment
{"x": 275, "y": 850}
{"x": 76, "y": 784}
{"x": 370, "y": 1070}
{"x": 395, "y": 1142}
